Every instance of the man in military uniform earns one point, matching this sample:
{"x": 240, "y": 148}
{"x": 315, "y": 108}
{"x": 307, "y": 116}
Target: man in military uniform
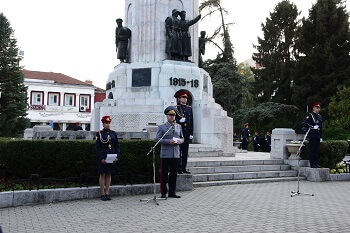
{"x": 268, "y": 141}
{"x": 245, "y": 136}
{"x": 170, "y": 151}
{"x": 314, "y": 122}
{"x": 185, "y": 119}
{"x": 256, "y": 141}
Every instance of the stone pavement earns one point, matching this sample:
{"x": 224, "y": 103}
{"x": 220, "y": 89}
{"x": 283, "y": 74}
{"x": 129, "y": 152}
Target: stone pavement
{"x": 265, "y": 207}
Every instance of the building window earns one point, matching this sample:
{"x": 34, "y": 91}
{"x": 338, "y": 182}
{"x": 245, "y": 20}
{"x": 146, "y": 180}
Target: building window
{"x": 84, "y": 101}
{"x": 69, "y": 100}
{"x": 54, "y": 99}
{"x": 37, "y": 98}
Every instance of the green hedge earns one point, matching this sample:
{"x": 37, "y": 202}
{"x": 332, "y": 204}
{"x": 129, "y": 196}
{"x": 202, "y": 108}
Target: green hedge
{"x": 331, "y": 152}
{"x": 63, "y": 159}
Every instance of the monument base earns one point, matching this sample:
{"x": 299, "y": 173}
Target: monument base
{"x": 139, "y": 92}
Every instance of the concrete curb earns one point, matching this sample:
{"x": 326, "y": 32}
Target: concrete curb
{"x": 340, "y": 177}
{"x": 46, "y": 196}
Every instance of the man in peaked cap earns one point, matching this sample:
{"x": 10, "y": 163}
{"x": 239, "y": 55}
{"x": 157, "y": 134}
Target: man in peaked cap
{"x": 314, "y": 122}
{"x": 173, "y": 36}
{"x": 170, "y": 151}
{"x": 122, "y": 36}
{"x": 185, "y": 119}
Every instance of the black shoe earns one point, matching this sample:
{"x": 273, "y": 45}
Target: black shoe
{"x": 163, "y": 196}
{"x": 313, "y": 166}
{"x": 318, "y": 166}
{"x": 180, "y": 172}
{"x": 108, "y": 197}
{"x": 174, "y": 196}
{"x": 186, "y": 172}
{"x": 103, "y": 198}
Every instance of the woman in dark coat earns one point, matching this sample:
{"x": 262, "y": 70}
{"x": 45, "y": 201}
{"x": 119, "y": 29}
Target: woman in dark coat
{"x": 106, "y": 143}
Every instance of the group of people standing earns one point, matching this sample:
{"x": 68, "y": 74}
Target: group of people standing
{"x": 245, "y": 138}
{"x": 174, "y": 147}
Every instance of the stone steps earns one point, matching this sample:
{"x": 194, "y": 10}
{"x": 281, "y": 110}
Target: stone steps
{"x": 235, "y": 169}
{"x": 211, "y": 171}
{"x": 243, "y": 175}
{"x": 244, "y": 181}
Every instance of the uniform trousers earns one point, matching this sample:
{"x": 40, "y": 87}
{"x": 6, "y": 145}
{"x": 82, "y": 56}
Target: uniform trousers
{"x": 182, "y": 164}
{"x": 169, "y": 165}
{"x": 314, "y": 147}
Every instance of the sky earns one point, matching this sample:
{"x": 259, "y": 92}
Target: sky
{"x": 76, "y": 37}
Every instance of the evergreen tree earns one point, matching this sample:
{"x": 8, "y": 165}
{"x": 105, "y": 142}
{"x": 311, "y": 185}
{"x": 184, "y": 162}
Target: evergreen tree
{"x": 275, "y": 54}
{"x": 324, "y": 53}
{"x": 222, "y": 69}
{"x": 13, "y": 99}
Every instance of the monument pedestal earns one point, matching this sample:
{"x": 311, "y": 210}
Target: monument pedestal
{"x": 139, "y": 93}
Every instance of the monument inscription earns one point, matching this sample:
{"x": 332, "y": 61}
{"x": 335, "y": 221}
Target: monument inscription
{"x": 141, "y": 77}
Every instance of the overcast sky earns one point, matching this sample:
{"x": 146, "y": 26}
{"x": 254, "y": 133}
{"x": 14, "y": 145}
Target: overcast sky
{"x": 76, "y": 37}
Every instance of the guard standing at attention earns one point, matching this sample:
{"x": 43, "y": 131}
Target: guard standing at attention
{"x": 169, "y": 152}
{"x": 314, "y": 122}
{"x": 245, "y": 136}
{"x": 106, "y": 143}
{"x": 184, "y": 117}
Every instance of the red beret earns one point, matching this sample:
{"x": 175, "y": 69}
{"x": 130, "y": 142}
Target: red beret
{"x": 317, "y": 104}
{"x": 182, "y": 94}
{"x": 106, "y": 119}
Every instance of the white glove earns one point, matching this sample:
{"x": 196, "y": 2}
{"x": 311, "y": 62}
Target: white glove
{"x": 182, "y": 120}
{"x": 316, "y": 127}
{"x": 321, "y": 139}
{"x": 191, "y": 137}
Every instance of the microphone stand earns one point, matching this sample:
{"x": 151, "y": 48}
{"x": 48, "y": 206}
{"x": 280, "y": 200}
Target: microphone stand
{"x": 297, "y": 193}
{"x": 154, "y": 171}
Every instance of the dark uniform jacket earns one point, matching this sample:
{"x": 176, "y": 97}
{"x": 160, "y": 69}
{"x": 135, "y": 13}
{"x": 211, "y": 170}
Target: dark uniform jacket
{"x": 187, "y": 126}
{"x": 311, "y": 120}
{"x": 106, "y": 146}
{"x": 245, "y": 134}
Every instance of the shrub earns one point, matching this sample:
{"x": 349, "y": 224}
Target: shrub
{"x": 63, "y": 159}
{"x": 331, "y": 152}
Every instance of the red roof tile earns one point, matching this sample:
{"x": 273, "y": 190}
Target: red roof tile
{"x": 56, "y": 77}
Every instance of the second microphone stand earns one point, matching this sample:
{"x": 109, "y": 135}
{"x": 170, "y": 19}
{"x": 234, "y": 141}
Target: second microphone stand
{"x": 297, "y": 193}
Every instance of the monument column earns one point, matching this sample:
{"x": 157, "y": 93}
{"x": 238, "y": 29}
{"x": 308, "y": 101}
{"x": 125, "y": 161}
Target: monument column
{"x": 146, "y": 20}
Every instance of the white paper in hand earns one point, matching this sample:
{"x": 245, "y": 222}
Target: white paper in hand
{"x": 111, "y": 157}
{"x": 175, "y": 139}
{"x": 316, "y": 126}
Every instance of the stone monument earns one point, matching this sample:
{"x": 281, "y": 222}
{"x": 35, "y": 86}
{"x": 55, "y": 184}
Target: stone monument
{"x": 139, "y": 91}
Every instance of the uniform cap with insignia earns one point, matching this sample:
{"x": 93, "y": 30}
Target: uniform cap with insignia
{"x": 182, "y": 94}
{"x": 106, "y": 119}
{"x": 317, "y": 104}
{"x": 119, "y": 20}
{"x": 170, "y": 110}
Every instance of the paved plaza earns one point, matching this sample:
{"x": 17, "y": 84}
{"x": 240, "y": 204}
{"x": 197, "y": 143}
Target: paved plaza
{"x": 265, "y": 207}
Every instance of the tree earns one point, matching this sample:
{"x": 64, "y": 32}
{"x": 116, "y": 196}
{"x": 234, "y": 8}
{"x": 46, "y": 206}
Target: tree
{"x": 339, "y": 118}
{"x": 275, "y": 54}
{"x": 323, "y": 48}
{"x": 13, "y": 99}
{"x": 222, "y": 69}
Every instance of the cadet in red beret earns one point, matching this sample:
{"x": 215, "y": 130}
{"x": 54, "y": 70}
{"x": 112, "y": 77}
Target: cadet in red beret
{"x": 106, "y": 143}
{"x": 184, "y": 118}
{"x": 314, "y": 122}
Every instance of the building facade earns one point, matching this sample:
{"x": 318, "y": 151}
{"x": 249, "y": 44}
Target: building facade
{"x": 59, "y": 100}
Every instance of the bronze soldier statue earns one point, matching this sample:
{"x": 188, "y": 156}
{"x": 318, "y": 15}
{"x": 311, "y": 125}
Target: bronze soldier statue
{"x": 122, "y": 37}
{"x": 186, "y": 50}
{"x": 202, "y": 41}
{"x": 173, "y": 40}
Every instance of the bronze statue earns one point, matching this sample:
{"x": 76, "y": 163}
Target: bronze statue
{"x": 173, "y": 40}
{"x": 202, "y": 41}
{"x": 122, "y": 37}
{"x": 186, "y": 50}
